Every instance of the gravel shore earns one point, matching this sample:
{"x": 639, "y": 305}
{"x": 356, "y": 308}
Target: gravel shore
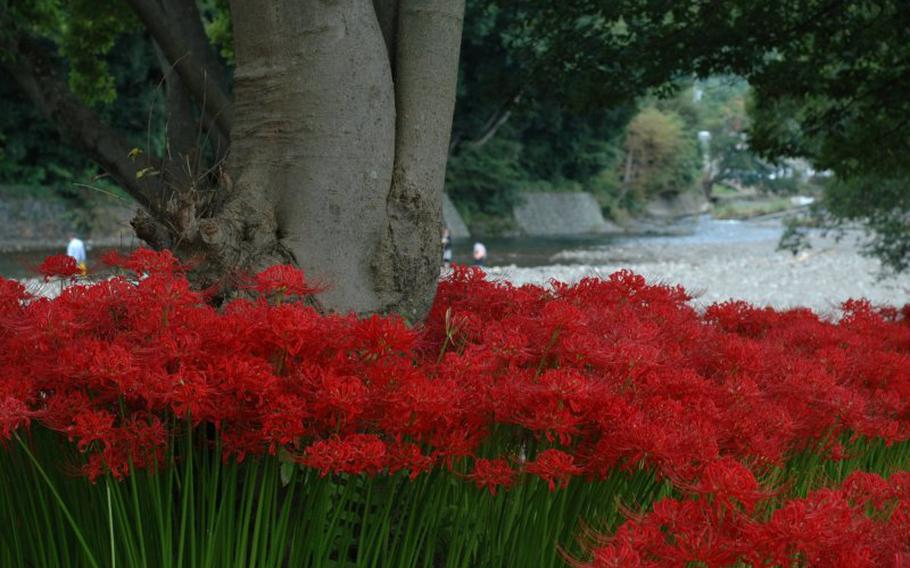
{"x": 727, "y": 261}
{"x": 751, "y": 269}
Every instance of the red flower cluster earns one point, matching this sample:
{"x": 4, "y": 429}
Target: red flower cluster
{"x": 59, "y": 266}
{"x": 282, "y": 280}
{"x": 550, "y": 382}
{"x": 863, "y": 523}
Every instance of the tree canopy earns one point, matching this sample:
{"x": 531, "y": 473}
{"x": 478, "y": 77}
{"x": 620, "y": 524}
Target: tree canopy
{"x": 829, "y": 82}
{"x": 547, "y": 92}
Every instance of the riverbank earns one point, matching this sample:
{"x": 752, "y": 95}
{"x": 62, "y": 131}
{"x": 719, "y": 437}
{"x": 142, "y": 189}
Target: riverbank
{"x": 715, "y": 261}
{"x": 745, "y": 265}
{"x": 34, "y": 223}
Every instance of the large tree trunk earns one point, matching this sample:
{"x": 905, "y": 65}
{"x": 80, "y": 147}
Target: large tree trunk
{"x": 426, "y": 54}
{"x": 314, "y": 135}
{"x": 339, "y": 134}
{"x": 321, "y": 164}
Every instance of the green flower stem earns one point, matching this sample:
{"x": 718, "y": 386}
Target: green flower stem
{"x": 90, "y": 558}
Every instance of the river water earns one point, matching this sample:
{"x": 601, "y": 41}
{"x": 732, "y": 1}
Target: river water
{"x": 714, "y": 260}
{"x": 517, "y": 251}
{"x": 24, "y": 264}
{"x": 691, "y": 232}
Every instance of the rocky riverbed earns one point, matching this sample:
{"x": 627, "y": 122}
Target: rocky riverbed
{"x": 714, "y": 261}
{"x": 743, "y": 264}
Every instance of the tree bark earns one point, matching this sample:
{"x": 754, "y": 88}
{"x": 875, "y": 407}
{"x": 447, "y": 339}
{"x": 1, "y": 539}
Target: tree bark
{"x": 348, "y": 189}
{"x": 314, "y": 137}
{"x": 426, "y": 71}
{"x": 184, "y": 16}
{"x": 323, "y": 171}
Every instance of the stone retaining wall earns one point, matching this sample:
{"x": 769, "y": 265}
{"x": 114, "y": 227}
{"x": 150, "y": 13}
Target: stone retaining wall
{"x": 33, "y": 223}
{"x": 453, "y": 220}
{"x": 28, "y": 223}
{"x": 555, "y": 214}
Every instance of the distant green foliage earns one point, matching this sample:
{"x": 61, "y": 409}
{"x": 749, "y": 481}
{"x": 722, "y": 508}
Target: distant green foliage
{"x": 36, "y": 16}
{"x": 218, "y": 26}
{"x": 882, "y": 205}
{"x": 725, "y": 116}
{"x": 838, "y": 96}
{"x": 661, "y": 155}
{"x": 564, "y": 145}
{"x": 547, "y": 90}
{"x": 32, "y": 153}
{"x": 829, "y": 81}
{"x": 85, "y": 32}
{"x": 486, "y": 181}
{"x": 747, "y": 209}
{"x": 542, "y": 145}
{"x": 88, "y": 32}
{"x": 33, "y": 158}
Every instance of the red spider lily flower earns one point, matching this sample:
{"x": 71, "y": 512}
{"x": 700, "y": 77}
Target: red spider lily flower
{"x": 144, "y": 261}
{"x": 376, "y": 336}
{"x": 92, "y": 426}
{"x": 616, "y": 374}
{"x": 12, "y": 296}
{"x": 59, "y": 266}
{"x": 492, "y": 474}
{"x": 113, "y": 258}
{"x": 340, "y": 399}
{"x": 148, "y": 261}
{"x": 409, "y": 457}
{"x": 862, "y": 488}
{"x": 354, "y": 454}
{"x": 731, "y": 483}
{"x": 554, "y": 467}
{"x": 14, "y": 414}
{"x": 623, "y": 555}
{"x": 283, "y": 280}
{"x": 829, "y": 527}
{"x": 284, "y": 422}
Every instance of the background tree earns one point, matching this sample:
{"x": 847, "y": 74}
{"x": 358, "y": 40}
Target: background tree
{"x": 724, "y": 105}
{"x": 829, "y": 83}
{"x": 660, "y": 155}
{"x": 338, "y": 122}
{"x": 509, "y": 134}
{"x": 337, "y": 116}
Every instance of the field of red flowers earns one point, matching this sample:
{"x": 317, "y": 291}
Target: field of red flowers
{"x": 607, "y": 423}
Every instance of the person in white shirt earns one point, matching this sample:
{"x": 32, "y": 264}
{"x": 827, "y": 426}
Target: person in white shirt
{"x": 76, "y": 249}
{"x": 480, "y": 254}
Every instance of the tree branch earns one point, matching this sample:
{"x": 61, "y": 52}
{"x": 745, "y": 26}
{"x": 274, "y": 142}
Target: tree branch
{"x": 177, "y": 29}
{"x": 495, "y": 122}
{"x": 34, "y": 72}
{"x": 186, "y": 133}
{"x": 185, "y": 15}
{"x": 181, "y": 124}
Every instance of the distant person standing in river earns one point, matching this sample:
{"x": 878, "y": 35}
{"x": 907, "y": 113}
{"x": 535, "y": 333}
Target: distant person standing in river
{"x": 446, "y": 247}
{"x": 480, "y": 254}
{"x": 76, "y": 250}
